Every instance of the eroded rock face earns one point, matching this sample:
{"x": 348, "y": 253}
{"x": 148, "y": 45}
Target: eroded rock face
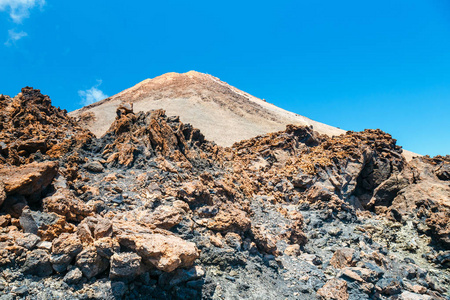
{"x": 28, "y": 180}
{"x": 153, "y": 210}
{"x": 165, "y": 252}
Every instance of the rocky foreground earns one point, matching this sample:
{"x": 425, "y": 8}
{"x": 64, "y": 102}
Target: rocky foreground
{"x": 152, "y": 210}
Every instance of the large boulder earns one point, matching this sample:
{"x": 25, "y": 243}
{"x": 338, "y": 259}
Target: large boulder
{"x": 157, "y": 247}
{"x": 335, "y": 289}
{"x": 28, "y": 180}
{"x": 165, "y": 252}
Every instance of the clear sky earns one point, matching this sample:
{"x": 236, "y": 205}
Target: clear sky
{"x": 351, "y": 64}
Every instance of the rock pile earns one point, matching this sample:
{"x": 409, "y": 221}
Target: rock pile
{"x": 153, "y": 210}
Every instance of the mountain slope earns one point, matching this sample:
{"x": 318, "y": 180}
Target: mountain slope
{"x": 223, "y": 113}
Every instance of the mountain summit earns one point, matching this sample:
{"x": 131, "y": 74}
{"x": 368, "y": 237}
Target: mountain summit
{"x": 222, "y": 112}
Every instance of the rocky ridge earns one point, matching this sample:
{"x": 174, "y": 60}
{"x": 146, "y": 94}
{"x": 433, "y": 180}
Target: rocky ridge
{"x": 152, "y": 210}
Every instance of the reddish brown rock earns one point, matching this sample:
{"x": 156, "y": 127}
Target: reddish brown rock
{"x": 28, "y": 179}
{"x": 156, "y": 246}
{"x": 230, "y": 219}
{"x": 30, "y": 124}
{"x": 163, "y": 216}
{"x": 5, "y": 220}
{"x": 48, "y": 232}
{"x": 68, "y": 244}
{"x": 263, "y": 239}
{"x": 153, "y": 130}
{"x": 344, "y": 257}
{"x": 165, "y": 252}
{"x": 335, "y": 289}
{"x": 64, "y": 203}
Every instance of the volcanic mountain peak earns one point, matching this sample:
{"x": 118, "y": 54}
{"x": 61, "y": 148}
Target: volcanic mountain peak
{"x": 222, "y": 112}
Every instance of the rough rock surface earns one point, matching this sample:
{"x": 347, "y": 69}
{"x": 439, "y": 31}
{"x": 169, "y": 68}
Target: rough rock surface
{"x": 152, "y": 210}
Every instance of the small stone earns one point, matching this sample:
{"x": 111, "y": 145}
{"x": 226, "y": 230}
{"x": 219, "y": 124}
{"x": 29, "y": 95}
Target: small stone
{"x": 20, "y": 290}
{"x": 181, "y": 204}
{"x": 73, "y": 277}
{"x": 94, "y": 166}
{"x": 336, "y": 231}
{"x": 419, "y": 289}
{"x": 216, "y": 241}
{"x": 38, "y": 263}
{"x": 45, "y": 245}
{"x": 182, "y": 275}
{"x": 292, "y": 250}
{"x": 64, "y": 249}
{"x": 3, "y": 284}
{"x": 119, "y": 289}
{"x": 405, "y": 295}
{"x": 317, "y": 261}
{"x": 233, "y": 240}
{"x": 164, "y": 216}
{"x": 118, "y": 199}
{"x": 68, "y": 244}
{"x": 5, "y": 220}
{"x": 165, "y": 252}
{"x": 27, "y": 222}
{"x": 124, "y": 265}
{"x": 29, "y": 241}
{"x": 389, "y": 286}
{"x": 60, "y": 262}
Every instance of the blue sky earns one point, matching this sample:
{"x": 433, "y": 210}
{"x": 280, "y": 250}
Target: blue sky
{"x": 350, "y": 64}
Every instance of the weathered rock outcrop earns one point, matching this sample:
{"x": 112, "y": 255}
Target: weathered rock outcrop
{"x": 153, "y": 210}
{"x": 30, "y": 126}
{"x": 28, "y": 180}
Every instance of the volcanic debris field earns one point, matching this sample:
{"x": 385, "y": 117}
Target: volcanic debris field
{"x": 152, "y": 210}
